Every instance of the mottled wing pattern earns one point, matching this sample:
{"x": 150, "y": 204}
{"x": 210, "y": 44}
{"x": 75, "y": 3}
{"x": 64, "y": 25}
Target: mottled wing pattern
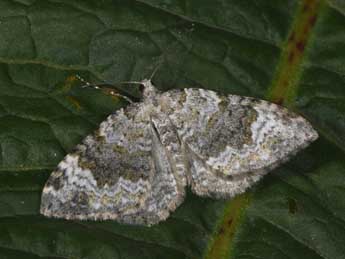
{"x": 230, "y": 142}
{"x": 169, "y": 139}
{"x": 122, "y": 172}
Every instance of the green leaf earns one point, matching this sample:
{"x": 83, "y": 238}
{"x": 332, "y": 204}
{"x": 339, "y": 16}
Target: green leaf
{"x": 291, "y": 52}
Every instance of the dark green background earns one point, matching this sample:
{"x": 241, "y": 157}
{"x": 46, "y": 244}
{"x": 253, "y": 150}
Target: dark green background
{"x": 298, "y": 211}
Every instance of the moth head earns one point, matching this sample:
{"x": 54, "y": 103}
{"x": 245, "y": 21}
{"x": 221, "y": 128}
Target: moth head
{"x": 147, "y": 89}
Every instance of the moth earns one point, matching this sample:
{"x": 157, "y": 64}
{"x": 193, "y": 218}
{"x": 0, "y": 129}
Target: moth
{"x": 135, "y": 168}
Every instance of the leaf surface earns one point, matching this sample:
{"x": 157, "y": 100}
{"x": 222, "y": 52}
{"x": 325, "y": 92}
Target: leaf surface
{"x": 290, "y": 52}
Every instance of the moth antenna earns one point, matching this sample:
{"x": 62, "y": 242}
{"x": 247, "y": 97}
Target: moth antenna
{"x": 120, "y": 95}
{"x": 131, "y": 82}
{"x": 103, "y": 87}
{"x": 156, "y": 69}
{"x": 86, "y": 83}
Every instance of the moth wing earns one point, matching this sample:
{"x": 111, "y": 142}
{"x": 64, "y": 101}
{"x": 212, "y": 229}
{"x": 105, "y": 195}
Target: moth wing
{"x": 231, "y": 141}
{"x": 122, "y": 172}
